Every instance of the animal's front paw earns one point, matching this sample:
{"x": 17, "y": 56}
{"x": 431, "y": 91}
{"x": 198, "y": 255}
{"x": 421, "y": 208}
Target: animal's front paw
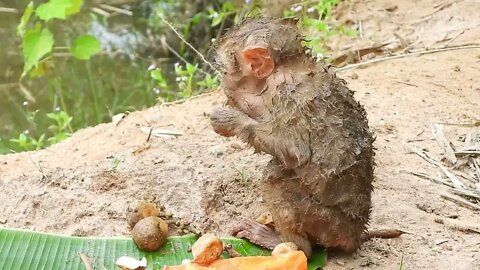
{"x": 226, "y": 122}
{"x": 292, "y": 156}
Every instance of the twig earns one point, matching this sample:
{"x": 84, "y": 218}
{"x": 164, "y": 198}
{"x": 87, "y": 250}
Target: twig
{"x": 116, "y": 9}
{"x": 100, "y": 11}
{"x": 455, "y": 181}
{"x": 468, "y": 193}
{"x": 39, "y": 166}
{"x": 407, "y": 55}
{"x": 86, "y": 261}
{"x": 406, "y": 83}
{"x": 477, "y": 168}
{"x": 471, "y": 140}
{"x": 467, "y": 153}
{"x": 474, "y": 124}
{"x": 8, "y": 10}
{"x": 461, "y": 201}
{"x": 188, "y": 44}
{"x": 457, "y": 225}
{"x": 438, "y": 8}
{"x": 427, "y": 177}
{"x": 180, "y": 57}
{"x": 26, "y": 93}
{"x": 455, "y": 37}
{"x": 437, "y": 131}
{"x": 8, "y": 85}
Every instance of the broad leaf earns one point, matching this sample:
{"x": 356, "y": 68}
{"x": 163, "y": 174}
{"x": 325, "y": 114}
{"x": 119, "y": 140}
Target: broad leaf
{"x": 85, "y": 46}
{"x": 24, "y": 20}
{"x": 54, "y": 9}
{"x": 75, "y": 7}
{"x": 26, "y": 250}
{"x": 36, "y": 44}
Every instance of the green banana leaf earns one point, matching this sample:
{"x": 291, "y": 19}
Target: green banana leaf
{"x": 28, "y": 250}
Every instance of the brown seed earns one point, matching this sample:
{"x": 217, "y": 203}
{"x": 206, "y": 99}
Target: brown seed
{"x": 150, "y": 233}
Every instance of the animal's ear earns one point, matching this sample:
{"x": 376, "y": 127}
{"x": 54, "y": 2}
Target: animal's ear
{"x": 259, "y": 61}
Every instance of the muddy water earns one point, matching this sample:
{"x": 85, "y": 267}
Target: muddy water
{"x": 90, "y": 91}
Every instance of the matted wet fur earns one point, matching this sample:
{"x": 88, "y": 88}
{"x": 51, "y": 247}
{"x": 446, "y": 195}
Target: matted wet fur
{"x": 284, "y": 102}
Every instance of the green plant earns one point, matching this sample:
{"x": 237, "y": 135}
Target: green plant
{"x": 189, "y": 80}
{"x": 93, "y": 89}
{"x": 209, "y": 82}
{"x": 38, "y": 40}
{"x": 60, "y": 127}
{"x": 185, "y": 76}
{"x": 115, "y": 163}
{"x": 316, "y": 19}
{"x": 59, "y": 130}
{"x": 27, "y": 143}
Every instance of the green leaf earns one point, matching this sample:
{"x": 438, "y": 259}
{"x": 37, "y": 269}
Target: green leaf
{"x": 157, "y": 75}
{"x": 75, "y": 7}
{"x": 39, "y": 70}
{"x": 26, "y": 250}
{"x": 85, "y": 46}
{"x": 197, "y": 18}
{"x": 24, "y": 20}
{"x": 191, "y": 69}
{"x": 35, "y": 45}
{"x": 54, "y": 9}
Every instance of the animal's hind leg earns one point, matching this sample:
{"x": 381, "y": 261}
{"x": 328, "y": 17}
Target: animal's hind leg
{"x": 282, "y": 193}
{"x": 279, "y": 190}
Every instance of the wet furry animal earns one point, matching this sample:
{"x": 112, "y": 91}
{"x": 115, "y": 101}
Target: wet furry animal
{"x": 283, "y": 102}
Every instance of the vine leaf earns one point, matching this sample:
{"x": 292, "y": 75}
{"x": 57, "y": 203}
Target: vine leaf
{"x": 75, "y": 7}
{"x": 36, "y": 44}
{"x": 24, "y": 20}
{"x": 55, "y": 9}
{"x": 84, "y": 47}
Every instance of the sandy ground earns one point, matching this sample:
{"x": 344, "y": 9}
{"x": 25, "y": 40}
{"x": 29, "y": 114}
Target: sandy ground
{"x": 74, "y": 187}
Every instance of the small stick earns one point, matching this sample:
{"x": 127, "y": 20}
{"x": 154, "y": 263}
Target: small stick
{"x": 467, "y": 153}
{"x": 455, "y": 37}
{"x": 406, "y": 83}
{"x": 86, "y": 261}
{"x": 468, "y": 193}
{"x": 437, "y": 131}
{"x": 427, "y": 177}
{"x": 407, "y": 55}
{"x": 100, "y": 11}
{"x": 181, "y": 58}
{"x": 8, "y": 10}
{"x": 455, "y": 181}
{"x": 471, "y": 140}
{"x": 474, "y": 124}
{"x": 477, "y": 168}
{"x": 457, "y": 225}
{"x": 461, "y": 201}
{"x": 438, "y": 8}
{"x": 188, "y": 44}
{"x": 116, "y": 9}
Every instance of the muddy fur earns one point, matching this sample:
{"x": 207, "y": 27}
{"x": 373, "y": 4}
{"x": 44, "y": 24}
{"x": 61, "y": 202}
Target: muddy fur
{"x": 318, "y": 184}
